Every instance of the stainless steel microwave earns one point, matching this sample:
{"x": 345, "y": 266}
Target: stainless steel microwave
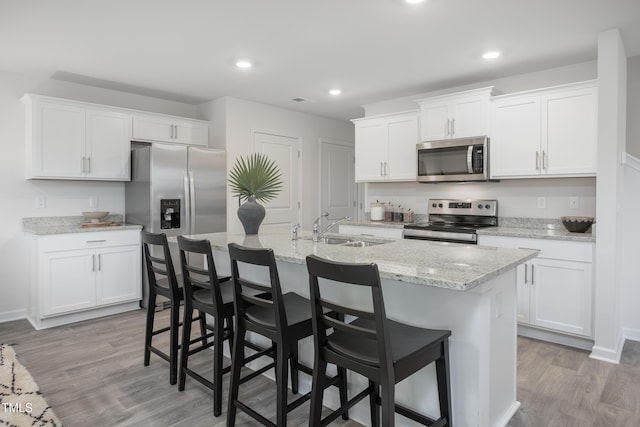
{"x": 454, "y": 160}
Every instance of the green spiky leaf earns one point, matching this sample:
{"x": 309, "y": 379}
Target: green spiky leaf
{"x": 256, "y": 176}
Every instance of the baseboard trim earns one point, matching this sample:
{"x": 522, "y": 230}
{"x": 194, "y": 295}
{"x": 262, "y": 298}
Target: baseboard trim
{"x": 502, "y": 422}
{"x": 610, "y": 355}
{"x": 9, "y": 316}
{"x": 556, "y": 338}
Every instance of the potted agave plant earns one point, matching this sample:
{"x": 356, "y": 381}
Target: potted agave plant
{"x": 254, "y": 179}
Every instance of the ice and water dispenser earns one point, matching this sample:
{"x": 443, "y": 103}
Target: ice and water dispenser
{"x": 169, "y": 213}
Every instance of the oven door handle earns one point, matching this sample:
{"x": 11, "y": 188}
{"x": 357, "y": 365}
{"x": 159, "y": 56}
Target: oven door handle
{"x": 470, "y": 159}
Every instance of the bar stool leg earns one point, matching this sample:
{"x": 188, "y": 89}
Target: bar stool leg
{"x": 373, "y": 405}
{"x": 281, "y": 384}
{"x": 444, "y": 385}
{"x": 342, "y": 372}
{"x": 293, "y": 362}
{"x": 317, "y": 391}
{"x": 173, "y": 342}
{"x": 203, "y": 326}
{"x": 218, "y": 336}
{"x": 186, "y": 337}
{"x": 148, "y": 332}
{"x": 234, "y": 381}
{"x": 388, "y": 403}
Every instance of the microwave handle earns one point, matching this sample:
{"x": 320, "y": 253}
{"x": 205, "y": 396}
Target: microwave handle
{"x": 470, "y": 159}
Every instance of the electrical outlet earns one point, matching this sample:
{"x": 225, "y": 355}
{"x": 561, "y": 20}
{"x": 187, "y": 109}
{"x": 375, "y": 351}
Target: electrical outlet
{"x": 41, "y": 202}
{"x": 574, "y": 202}
{"x": 93, "y": 201}
{"x": 542, "y": 202}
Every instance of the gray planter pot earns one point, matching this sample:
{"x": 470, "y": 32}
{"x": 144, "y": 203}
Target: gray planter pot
{"x": 251, "y": 214}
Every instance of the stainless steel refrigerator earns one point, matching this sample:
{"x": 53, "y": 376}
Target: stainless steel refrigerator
{"x": 176, "y": 190}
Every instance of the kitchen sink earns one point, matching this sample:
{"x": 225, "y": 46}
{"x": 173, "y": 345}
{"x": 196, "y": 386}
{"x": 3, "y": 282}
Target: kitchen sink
{"x": 349, "y": 241}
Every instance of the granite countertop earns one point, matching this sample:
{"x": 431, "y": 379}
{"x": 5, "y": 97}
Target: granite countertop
{"x": 537, "y": 233}
{"x": 438, "y": 264}
{"x": 531, "y": 228}
{"x": 72, "y": 224}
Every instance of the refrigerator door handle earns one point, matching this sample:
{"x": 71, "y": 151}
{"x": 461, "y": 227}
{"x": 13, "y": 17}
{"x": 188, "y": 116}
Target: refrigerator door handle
{"x": 192, "y": 204}
{"x": 187, "y": 205}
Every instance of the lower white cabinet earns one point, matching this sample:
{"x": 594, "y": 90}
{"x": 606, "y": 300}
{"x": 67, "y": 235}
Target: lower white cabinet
{"x": 80, "y": 276}
{"x": 554, "y": 289}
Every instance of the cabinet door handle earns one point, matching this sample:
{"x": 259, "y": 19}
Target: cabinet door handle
{"x": 453, "y": 127}
{"x": 526, "y": 271}
{"x": 533, "y": 275}
{"x": 176, "y": 131}
{"x": 381, "y": 174}
{"x": 448, "y": 128}
{"x": 386, "y": 173}
{"x": 95, "y": 241}
{"x": 83, "y": 167}
{"x": 537, "y": 160}
{"x": 93, "y": 263}
{"x": 89, "y": 164}
{"x": 544, "y": 160}
{"x": 99, "y": 262}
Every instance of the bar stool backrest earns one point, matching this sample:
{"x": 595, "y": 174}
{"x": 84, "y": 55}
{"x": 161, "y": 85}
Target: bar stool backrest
{"x": 373, "y": 336}
{"x": 271, "y": 298}
{"x": 156, "y": 264}
{"x": 196, "y": 277}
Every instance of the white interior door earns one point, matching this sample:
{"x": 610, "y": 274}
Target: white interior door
{"x": 337, "y": 180}
{"x": 284, "y": 210}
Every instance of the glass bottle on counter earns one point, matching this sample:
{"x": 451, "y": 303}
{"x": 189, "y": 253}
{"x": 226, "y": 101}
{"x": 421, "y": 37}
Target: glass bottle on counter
{"x": 398, "y": 214}
{"x": 388, "y": 213}
{"x": 408, "y": 215}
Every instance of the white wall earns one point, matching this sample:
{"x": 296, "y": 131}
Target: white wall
{"x": 516, "y": 198}
{"x": 518, "y": 83}
{"x": 633, "y": 106}
{"x": 612, "y": 108}
{"x": 245, "y": 117}
{"x": 630, "y": 272}
{"x": 63, "y": 198}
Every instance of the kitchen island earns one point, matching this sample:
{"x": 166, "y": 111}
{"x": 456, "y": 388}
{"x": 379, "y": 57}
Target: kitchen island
{"x": 467, "y": 289}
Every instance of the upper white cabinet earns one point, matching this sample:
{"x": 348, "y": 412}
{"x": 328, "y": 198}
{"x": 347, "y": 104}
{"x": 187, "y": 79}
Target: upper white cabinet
{"x": 545, "y": 133}
{"x": 385, "y": 147}
{"x": 74, "y": 140}
{"x": 457, "y": 115}
{"x": 147, "y": 127}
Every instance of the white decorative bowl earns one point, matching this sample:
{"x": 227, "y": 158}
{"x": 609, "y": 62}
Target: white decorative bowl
{"x": 95, "y": 216}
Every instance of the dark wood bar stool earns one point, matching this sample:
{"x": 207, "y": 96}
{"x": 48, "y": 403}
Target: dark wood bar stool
{"x": 284, "y": 319}
{"x": 384, "y": 351}
{"x": 163, "y": 281}
{"x": 210, "y": 294}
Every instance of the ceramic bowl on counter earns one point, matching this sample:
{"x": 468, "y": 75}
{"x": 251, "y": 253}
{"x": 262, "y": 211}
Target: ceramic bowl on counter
{"x": 577, "y": 224}
{"x": 95, "y": 216}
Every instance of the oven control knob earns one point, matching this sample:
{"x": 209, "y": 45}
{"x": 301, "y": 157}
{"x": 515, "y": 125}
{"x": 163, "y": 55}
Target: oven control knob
{"x": 480, "y": 206}
{"x": 487, "y": 206}
{"x": 439, "y": 205}
{"x": 434, "y": 205}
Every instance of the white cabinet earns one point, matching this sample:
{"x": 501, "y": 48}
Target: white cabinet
{"x": 555, "y": 288}
{"x": 458, "y": 115}
{"x": 83, "y": 275}
{"x": 75, "y": 140}
{"x": 365, "y": 230}
{"x": 545, "y": 133}
{"x": 161, "y": 128}
{"x": 385, "y": 147}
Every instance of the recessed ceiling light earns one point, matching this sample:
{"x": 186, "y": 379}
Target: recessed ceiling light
{"x": 243, "y": 63}
{"x": 491, "y": 55}
{"x": 335, "y": 91}
{"x": 414, "y": 1}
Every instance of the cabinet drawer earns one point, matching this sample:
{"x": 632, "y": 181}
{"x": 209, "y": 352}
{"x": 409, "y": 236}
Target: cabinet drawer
{"x": 553, "y": 249}
{"x": 61, "y": 242}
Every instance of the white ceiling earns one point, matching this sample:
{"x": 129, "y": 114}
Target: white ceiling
{"x": 372, "y": 49}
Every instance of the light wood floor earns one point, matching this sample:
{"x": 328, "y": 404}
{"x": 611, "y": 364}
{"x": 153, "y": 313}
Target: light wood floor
{"x": 92, "y": 375}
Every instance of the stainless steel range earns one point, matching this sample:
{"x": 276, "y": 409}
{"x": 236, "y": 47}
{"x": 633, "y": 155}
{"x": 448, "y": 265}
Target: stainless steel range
{"x": 454, "y": 220}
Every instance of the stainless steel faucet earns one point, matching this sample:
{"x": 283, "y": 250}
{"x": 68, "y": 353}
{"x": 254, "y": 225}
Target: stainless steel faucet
{"x": 294, "y": 231}
{"x": 317, "y": 234}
